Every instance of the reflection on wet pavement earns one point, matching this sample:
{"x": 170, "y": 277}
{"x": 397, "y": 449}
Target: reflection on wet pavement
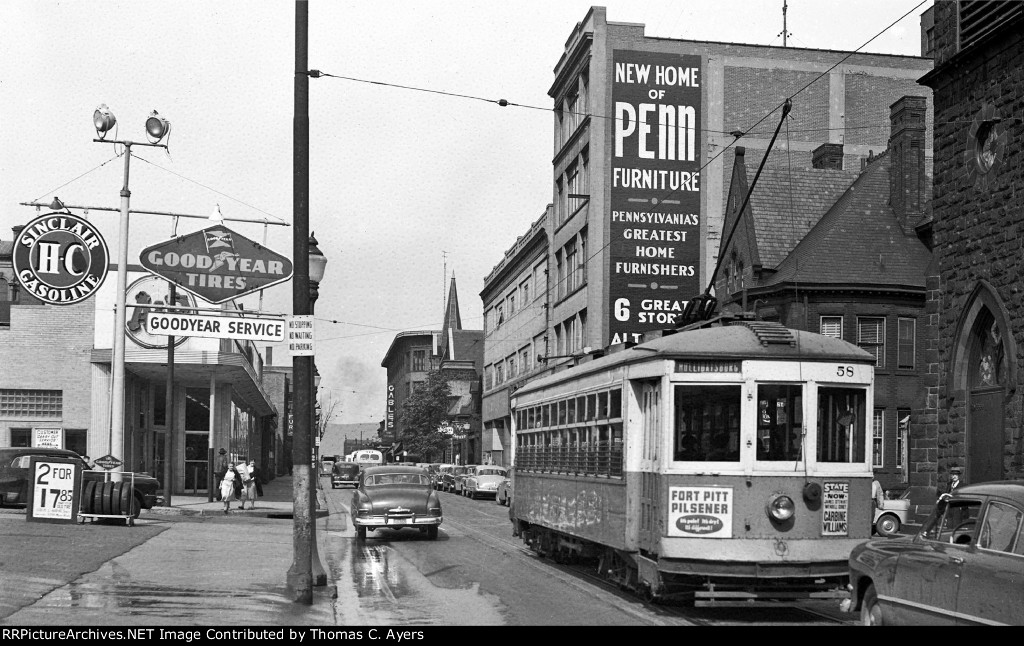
{"x": 391, "y": 590}
{"x": 222, "y": 578}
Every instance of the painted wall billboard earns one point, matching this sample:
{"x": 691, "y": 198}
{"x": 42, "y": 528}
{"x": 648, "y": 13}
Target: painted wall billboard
{"x": 655, "y": 191}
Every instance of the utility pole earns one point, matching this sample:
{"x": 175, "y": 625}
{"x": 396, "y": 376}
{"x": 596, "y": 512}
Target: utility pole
{"x": 300, "y": 576}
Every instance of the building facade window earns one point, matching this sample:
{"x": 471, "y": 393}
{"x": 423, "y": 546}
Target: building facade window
{"x": 907, "y": 334}
{"x": 525, "y": 364}
{"x": 878, "y": 438}
{"x": 524, "y": 292}
{"x": 831, "y": 326}
{"x": 16, "y": 402}
{"x": 871, "y": 337}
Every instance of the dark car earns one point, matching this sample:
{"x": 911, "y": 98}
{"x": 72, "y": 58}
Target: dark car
{"x": 437, "y": 477}
{"x": 395, "y": 497}
{"x": 14, "y": 476}
{"x": 965, "y": 567}
{"x": 459, "y": 484}
{"x": 343, "y": 474}
{"x": 449, "y": 476}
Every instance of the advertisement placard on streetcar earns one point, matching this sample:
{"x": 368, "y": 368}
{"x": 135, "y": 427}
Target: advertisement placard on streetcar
{"x": 700, "y": 512}
{"x": 835, "y": 509}
{"x": 54, "y": 490}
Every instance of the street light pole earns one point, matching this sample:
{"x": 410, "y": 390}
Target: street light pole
{"x": 157, "y": 128}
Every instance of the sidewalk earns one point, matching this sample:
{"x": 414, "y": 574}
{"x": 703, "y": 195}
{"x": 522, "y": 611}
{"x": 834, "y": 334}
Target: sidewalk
{"x": 277, "y": 500}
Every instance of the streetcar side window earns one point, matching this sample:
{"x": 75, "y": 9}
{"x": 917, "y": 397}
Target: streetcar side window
{"x": 779, "y": 422}
{"x": 707, "y": 423}
{"x": 841, "y": 424}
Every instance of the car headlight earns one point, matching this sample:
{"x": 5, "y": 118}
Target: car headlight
{"x": 780, "y": 507}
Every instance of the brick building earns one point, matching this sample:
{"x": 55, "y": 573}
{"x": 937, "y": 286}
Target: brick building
{"x": 975, "y": 295}
{"x": 842, "y": 253}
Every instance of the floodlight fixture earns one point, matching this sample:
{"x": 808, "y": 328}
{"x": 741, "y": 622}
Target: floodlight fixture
{"x": 103, "y": 120}
{"x": 157, "y": 127}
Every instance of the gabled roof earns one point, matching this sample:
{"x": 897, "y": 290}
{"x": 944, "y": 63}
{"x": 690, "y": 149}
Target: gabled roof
{"x": 787, "y": 203}
{"x": 858, "y": 241}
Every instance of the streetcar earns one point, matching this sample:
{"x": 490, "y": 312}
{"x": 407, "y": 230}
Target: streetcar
{"x": 724, "y": 463}
{"x": 367, "y": 458}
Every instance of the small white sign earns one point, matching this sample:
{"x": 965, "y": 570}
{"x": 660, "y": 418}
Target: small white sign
{"x": 300, "y": 336}
{"x": 53, "y": 486}
{"x": 217, "y": 327}
{"x": 835, "y": 509}
{"x": 48, "y": 438}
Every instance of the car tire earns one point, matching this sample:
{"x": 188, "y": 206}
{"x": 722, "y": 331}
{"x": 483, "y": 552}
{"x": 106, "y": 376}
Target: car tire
{"x": 360, "y": 533}
{"x": 85, "y": 503}
{"x": 124, "y": 500}
{"x": 432, "y": 533}
{"x": 887, "y": 525}
{"x": 870, "y": 610}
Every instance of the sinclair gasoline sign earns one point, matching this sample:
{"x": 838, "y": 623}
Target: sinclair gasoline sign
{"x": 60, "y": 258}
{"x": 655, "y": 227}
{"x": 216, "y": 264}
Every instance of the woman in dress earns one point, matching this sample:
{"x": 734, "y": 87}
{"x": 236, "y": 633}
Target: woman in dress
{"x": 227, "y": 487}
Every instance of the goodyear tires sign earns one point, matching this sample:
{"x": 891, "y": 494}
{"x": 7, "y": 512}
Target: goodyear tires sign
{"x": 216, "y": 264}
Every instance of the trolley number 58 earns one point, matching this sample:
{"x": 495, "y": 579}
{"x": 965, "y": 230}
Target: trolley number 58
{"x": 845, "y": 371}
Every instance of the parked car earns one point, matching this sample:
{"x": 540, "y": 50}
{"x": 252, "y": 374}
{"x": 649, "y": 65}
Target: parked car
{"x": 965, "y": 567}
{"x": 326, "y": 465}
{"x": 395, "y": 497}
{"x": 14, "y": 477}
{"x": 922, "y": 502}
{"x": 484, "y": 482}
{"x": 437, "y": 478}
{"x": 503, "y": 495}
{"x": 460, "y": 478}
{"x": 344, "y": 474}
{"x": 450, "y": 476}
{"x": 890, "y": 517}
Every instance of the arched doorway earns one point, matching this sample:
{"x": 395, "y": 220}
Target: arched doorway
{"x": 987, "y": 380}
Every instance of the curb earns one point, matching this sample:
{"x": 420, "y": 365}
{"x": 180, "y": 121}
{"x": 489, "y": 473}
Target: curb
{"x": 235, "y": 513}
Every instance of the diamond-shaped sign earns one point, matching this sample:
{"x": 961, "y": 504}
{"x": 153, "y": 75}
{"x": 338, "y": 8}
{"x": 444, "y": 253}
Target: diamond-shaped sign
{"x": 107, "y": 462}
{"x": 216, "y": 264}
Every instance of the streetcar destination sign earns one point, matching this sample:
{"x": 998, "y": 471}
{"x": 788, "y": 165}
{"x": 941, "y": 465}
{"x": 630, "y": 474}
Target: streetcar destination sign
{"x": 216, "y": 264}
{"x": 217, "y": 327}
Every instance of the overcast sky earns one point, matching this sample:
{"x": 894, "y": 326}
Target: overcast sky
{"x": 407, "y": 186}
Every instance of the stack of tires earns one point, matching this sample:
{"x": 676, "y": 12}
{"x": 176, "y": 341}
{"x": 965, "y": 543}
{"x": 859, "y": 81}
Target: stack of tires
{"x": 109, "y": 499}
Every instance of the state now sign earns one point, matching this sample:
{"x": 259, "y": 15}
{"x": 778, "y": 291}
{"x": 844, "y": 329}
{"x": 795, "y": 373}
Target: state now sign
{"x": 216, "y": 264}
{"x": 250, "y": 328}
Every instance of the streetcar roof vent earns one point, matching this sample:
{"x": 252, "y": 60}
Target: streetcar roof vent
{"x": 769, "y": 332}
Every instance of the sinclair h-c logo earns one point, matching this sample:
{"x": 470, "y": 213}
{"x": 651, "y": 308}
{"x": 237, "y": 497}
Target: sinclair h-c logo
{"x": 60, "y": 258}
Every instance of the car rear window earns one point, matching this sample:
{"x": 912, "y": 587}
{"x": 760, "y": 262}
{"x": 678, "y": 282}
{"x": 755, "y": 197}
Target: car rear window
{"x": 491, "y": 472}
{"x": 397, "y": 479}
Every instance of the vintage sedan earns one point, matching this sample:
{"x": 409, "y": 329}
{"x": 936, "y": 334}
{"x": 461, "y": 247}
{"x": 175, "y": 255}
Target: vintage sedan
{"x": 891, "y": 516}
{"x": 450, "y": 476}
{"x": 14, "y": 477}
{"x": 965, "y": 567}
{"x": 437, "y": 477}
{"x": 459, "y": 485}
{"x": 503, "y": 495}
{"x": 484, "y": 482}
{"x": 344, "y": 474}
{"x": 395, "y": 497}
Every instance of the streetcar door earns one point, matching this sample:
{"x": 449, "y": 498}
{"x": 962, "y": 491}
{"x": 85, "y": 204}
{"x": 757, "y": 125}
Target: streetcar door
{"x": 650, "y": 415}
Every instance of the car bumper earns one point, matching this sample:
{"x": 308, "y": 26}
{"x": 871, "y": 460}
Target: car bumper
{"x": 493, "y": 493}
{"x": 384, "y": 521}
{"x": 337, "y": 482}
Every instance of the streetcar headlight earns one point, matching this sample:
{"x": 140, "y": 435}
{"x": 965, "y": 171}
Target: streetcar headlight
{"x": 780, "y": 507}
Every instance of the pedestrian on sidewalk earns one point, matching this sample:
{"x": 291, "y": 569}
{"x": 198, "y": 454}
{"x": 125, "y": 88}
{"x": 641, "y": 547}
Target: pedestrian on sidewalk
{"x": 248, "y": 484}
{"x": 228, "y": 481}
{"x": 257, "y": 476}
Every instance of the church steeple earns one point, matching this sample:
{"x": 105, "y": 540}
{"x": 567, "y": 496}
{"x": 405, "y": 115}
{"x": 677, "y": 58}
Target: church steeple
{"x": 452, "y": 321}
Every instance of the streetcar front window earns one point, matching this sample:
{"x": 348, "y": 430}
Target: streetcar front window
{"x": 842, "y": 424}
{"x": 707, "y": 423}
{"x": 779, "y": 422}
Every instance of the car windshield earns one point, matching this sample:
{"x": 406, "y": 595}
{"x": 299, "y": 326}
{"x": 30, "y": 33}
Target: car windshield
{"x": 459, "y": 470}
{"x": 493, "y": 471}
{"x": 397, "y": 479}
{"x": 953, "y": 521}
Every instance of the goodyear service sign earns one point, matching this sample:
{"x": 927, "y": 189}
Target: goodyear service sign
{"x": 216, "y": 264}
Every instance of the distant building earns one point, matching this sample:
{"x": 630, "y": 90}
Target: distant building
{"x": 458, "y": 354}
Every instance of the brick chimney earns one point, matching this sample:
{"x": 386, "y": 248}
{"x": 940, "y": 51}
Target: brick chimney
{"x": 906, "y": 153}
{"x": 828, "y": 156}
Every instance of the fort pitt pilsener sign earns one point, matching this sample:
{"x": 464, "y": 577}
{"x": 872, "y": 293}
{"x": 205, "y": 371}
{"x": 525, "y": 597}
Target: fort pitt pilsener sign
{"x": 60, "y": 258}
{"x": 216, "y": 264}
